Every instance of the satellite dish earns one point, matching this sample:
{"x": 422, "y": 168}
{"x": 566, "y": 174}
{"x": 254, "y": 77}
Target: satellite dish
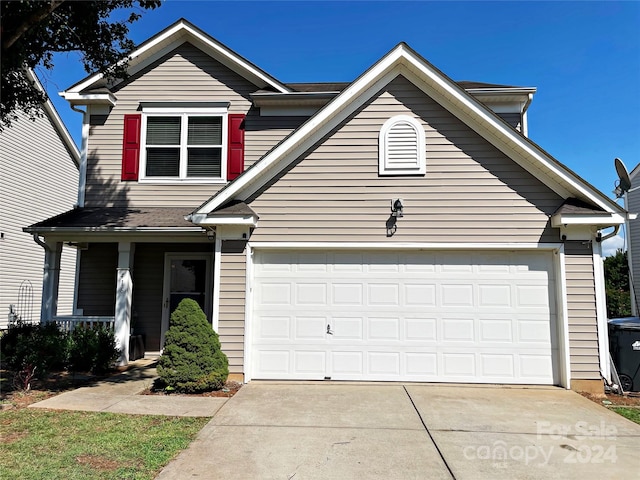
{"x": 624, "y": 182}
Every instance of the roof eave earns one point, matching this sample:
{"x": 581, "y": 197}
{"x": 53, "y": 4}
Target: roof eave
{"x": 179, "y": 32}
{"x": 89, "y": 98}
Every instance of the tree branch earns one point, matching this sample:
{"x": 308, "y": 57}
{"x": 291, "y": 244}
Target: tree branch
{"x": 34, "y": 19}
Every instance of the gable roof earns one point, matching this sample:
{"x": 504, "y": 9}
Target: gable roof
{"x": 167, "y": 40}
{"x": 402, "y": 60}
{"x": 56, "y": 121}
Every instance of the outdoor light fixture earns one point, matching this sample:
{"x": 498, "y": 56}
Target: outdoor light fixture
{"x": 211, "y": 234}
{"x": 396, "y": 207}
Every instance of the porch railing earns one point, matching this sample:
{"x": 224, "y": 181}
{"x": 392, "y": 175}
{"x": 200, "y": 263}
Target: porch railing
{"x": 69, "y": 322}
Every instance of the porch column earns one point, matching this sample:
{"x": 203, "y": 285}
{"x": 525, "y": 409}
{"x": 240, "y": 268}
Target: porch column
{"x": 50, "y": 281}
{"x": 124, "y": 294}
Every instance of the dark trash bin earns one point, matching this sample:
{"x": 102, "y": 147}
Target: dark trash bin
{"x": 624, "y": 345}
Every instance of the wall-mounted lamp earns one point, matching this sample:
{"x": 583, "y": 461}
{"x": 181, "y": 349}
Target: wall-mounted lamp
{"x": 211, "y": 234}
{"x": 396, "y": 207}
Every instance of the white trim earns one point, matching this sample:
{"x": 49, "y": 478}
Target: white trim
{"x": 405, "y": 246}
{"x": 82, "y": 174}
{"x": 419, "y": 165}
{"x": 184, "y": 114}
{"x": 217, "y": 257}
{"x": 609, "y": 219}
{"x": 401, "y": 60}
{"x": 203, "y": 219}
{"x": 76, "y": 283}
{"x": 248, "y": 314}
{"x": 601, "y": 311}
{"x": 183, "y": 31}
{"x": 89, "y": 98}
{"x": 563, "y": 369}
{"x": 563, "y": 322}
{"x": 53, "y": 115}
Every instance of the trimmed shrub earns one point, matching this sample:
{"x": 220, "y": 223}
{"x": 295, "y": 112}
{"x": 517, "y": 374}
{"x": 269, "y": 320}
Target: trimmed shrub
{"x": 192, "y": 360}
{"x": 92, "y": 350}
{"x": 33, "y": 350}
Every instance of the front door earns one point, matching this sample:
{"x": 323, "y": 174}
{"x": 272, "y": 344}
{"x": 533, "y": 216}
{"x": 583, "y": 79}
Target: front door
{"x": 185, "y": 276}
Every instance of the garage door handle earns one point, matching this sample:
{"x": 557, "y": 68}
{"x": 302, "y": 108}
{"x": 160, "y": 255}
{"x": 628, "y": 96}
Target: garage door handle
{"x": 329, "y": 329}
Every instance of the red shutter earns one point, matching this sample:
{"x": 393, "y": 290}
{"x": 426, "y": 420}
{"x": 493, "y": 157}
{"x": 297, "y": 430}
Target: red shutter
{"x": 235, "y": 158}
{"x": 131, "y": 146}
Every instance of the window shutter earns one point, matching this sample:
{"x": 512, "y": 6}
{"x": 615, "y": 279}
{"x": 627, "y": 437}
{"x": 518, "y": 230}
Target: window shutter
{"x": 131, "y": 146}
{"x": 235, "y": 148}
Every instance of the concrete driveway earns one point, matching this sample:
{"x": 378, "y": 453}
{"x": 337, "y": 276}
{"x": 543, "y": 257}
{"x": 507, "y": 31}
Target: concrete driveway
{"x": 393, "y": 431}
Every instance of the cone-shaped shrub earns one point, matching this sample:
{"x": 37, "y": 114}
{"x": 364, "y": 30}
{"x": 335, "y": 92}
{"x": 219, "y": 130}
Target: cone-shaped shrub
{"x": 192, "y": 360}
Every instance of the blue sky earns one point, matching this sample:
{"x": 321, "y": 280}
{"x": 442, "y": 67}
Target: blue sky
{"x": 584, "y": 58}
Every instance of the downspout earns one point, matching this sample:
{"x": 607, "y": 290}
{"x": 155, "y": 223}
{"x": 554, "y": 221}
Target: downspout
{"x": 616, "y": 229}
{"x": 82, "y": 174}
{"x": 36, "y": 238}
{"x": 525, "y": 122}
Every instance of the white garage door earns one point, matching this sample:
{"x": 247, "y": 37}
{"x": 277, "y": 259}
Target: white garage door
{"x": 485, "y": 317}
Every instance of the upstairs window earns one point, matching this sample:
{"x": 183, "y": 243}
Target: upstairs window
{"x": 402, "y": 147}
{"x": 184, "y": 146}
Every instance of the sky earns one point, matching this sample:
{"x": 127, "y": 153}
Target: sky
{"x": 583, "y": 57}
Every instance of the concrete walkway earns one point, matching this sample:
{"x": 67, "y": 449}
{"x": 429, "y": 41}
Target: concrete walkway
{"x": 121, "y": 394}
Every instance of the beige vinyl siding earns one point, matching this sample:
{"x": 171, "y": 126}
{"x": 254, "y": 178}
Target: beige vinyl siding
{"x": 232, "y": 303}
{"x": 97, "y": 279}
{"x": 581, "y": 306}
{"x": 264, "y": 133}
{"x": 39, "y": 179}
{"x": 471, "y": 191}
{"x": 185, "y": 74}
{"x": 148, "y": 284}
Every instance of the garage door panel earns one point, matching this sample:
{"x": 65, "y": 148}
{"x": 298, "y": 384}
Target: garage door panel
{"x": 411, "y": 316}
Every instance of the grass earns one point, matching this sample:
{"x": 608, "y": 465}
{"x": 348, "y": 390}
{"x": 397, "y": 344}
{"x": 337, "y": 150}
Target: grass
{"x": 632, "y": 414}
{"x": 38, "y": 444}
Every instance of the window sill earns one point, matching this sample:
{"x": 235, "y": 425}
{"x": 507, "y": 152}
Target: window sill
{"x": 182, "y": 181}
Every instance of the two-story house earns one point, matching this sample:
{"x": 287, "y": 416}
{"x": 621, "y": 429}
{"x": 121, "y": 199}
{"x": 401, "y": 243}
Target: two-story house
{"x": 398, "y": 227}
{"x": 39, "y": 164}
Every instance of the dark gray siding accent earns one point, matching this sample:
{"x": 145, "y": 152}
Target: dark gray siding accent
{"x": 97, "y": 282}
{"x": 148, "y": 283}
{"x": 513, "y": 119}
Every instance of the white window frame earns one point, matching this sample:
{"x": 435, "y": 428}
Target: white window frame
{"x": 384, "y": 168}
{"x": 184, "y": 113}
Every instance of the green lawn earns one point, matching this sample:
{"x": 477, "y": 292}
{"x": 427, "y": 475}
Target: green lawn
{"x": 632, "y": 414}
{"x": 39, "y": 444}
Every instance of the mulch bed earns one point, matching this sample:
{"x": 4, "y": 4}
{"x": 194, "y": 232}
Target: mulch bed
{"x": 229, "y": 390}
{"x": 612, "y": 400}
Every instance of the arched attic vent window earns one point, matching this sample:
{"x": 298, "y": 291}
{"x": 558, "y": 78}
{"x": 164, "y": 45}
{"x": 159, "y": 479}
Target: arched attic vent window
{"x": 402, "y": 147}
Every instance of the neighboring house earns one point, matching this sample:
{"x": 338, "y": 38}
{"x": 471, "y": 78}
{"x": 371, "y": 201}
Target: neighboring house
{"x": 632, "y": 203}
{"x": 39, "y": 164}
{"x": 398, "y": 227}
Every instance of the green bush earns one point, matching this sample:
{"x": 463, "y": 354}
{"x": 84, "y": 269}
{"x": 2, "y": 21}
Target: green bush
{"x": 33, "y": 350}
{"x": 91, "y": 350}
{"x": 42, "y": 345}
{"x": 192, "y": 360}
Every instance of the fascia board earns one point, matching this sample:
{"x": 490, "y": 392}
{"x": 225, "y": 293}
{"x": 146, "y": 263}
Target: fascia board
{"x": 204, "y": 220}
{"x": 612, "y": 219}
{"x": 457, "y": 98}
{"x": 469, "y": 110}
{"x": 58, "y": 124}
{"x": 176, "y": 34}
{"x": 170, "y": 230}
{"x": 89, "y": 98}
